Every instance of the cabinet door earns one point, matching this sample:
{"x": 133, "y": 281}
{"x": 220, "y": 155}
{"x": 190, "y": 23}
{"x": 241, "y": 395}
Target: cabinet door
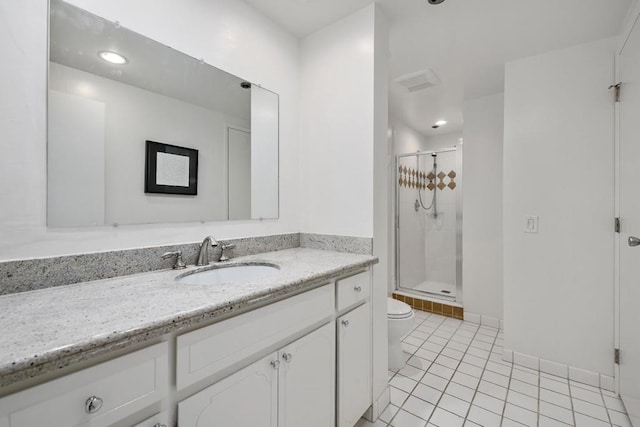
{"x": 246, "y": 398}
{"x": 307, "y": 380}
{"x": 354, "y": 365}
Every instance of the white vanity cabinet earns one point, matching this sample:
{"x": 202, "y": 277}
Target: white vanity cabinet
{"x": 291, "y": 387}
{"x": 307, "y": 380}
{"x": 354, "y": 371}
{"x": 247, "y": 398}
{"x": 301, "y": 361}
{"x": 97, "y": 396}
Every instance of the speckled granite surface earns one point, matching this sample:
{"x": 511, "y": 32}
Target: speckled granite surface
{"x": 49, "y": 329}
{"x": 32, "y": 274}
{"x": 329, "y": 242}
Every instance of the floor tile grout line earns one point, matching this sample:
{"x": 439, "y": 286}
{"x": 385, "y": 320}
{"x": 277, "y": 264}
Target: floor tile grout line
{"x": 605, "y": 407}
{"x": 411, "y": 393}
{"x": 451, "y": 379}
{"x": 475, "y": 392}
{"x": 446, "y": 346}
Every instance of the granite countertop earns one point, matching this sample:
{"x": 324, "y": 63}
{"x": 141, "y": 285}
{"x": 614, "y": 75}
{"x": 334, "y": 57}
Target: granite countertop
{"x": 50, "y": 329}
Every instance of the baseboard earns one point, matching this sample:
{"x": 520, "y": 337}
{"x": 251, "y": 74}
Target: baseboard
{"x": 560, "y": 370}
{"x": 481, "y": 319}
{"x": 379, "y": 405}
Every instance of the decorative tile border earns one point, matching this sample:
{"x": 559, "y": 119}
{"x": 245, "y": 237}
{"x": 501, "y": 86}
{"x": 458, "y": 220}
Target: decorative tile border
{"x": 415, "y": 178}
{"x": 354, "y": 245}
{"x": 33, "y": 274}
{"x": 431, "y": 306}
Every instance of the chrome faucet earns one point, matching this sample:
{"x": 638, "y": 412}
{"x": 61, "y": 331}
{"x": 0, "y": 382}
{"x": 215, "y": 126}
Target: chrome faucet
{"x": 203, "y": 254}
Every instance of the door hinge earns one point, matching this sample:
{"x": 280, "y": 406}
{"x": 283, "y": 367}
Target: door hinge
{"x": 616, "y": 88}
{"x": 616, "y": 356}
{"x": 617, "y": 225}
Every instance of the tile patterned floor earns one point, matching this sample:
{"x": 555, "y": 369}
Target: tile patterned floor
{"x": 455, "y": 376}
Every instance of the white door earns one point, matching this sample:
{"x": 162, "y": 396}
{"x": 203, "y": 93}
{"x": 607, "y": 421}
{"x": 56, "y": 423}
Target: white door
{"x": 247, "y": 398}
{"x": 354, "y": 365}
{"x": 239, "y": 146}
{"x": 629, "y": 179}
{"x": 307, "y": 380}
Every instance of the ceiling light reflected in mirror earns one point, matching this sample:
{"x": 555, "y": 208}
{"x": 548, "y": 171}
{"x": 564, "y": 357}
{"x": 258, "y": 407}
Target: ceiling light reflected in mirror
{"x": 113, "y": 57}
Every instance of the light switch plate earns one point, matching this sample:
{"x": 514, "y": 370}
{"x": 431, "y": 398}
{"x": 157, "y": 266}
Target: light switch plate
{"x": 530, "y": 224}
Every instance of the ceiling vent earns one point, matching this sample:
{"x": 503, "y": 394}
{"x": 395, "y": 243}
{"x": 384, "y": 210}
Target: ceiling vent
{"x": 419, "y": 80}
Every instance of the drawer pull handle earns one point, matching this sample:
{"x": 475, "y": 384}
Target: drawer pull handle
{"x": 287, "y": 357}
{"x": 358, "y": 289}
{"x": 93, "y": 405}
{"x": 275, "y": 364}
{"x": 345, "y": 323}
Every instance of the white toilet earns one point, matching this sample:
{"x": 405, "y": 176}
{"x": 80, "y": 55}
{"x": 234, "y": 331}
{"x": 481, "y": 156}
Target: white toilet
{"x": 400, "y": 321}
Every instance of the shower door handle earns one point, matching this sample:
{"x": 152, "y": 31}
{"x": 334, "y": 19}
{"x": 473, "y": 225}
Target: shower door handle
{"x": 633, "y": 241}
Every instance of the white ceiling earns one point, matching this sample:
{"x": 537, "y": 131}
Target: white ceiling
{"x": 467, "y": 42}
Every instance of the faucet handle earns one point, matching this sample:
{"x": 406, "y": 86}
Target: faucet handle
{"x": 179, "y": 264}
{"x": 223, "y": 257}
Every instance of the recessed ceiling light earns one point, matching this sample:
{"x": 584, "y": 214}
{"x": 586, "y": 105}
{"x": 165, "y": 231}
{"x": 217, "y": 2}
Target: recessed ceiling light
{"x": 112, "y": 57}
{"x": 441, "y": 122}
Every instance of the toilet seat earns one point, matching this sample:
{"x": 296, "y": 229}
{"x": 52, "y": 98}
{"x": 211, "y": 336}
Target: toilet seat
{"x": 398, "y": 309}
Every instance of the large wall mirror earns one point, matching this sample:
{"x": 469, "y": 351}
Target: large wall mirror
{"x": 141, "y": 133}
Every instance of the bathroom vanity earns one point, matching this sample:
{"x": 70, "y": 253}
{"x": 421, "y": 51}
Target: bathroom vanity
{"x": 145, "y": 350}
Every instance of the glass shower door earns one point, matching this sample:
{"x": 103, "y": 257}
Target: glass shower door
{"x": 428, "y": 229}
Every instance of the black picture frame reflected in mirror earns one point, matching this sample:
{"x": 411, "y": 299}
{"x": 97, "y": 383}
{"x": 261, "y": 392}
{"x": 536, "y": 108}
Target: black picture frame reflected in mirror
{"x": 170, "y": 169}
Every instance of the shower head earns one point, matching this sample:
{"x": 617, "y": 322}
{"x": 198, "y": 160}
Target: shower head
{"x": 435, "y": 1}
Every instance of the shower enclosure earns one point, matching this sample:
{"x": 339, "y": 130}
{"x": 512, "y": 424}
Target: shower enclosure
{"x": 429, "y": 223}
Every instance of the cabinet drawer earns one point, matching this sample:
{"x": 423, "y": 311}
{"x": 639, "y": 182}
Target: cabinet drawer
{"x": 207, "y": 351}
{"x": 352, "y": 290}
{"x": 123, "y": 386}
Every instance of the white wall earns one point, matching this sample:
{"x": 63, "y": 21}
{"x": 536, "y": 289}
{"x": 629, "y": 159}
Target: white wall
{"x": 446, "y": 140}
{"x": 226, "y": 33}
{"x": 337, "y": 127}
{"x": 343, "y": 131}
{"x": 558, "y": 164}
{"x": 383, "y": 164}
{"x": 482, "y": 206}
{"x": 405, "y": 139}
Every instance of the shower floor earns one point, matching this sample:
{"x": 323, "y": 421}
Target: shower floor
{"x": 437, "y": 288}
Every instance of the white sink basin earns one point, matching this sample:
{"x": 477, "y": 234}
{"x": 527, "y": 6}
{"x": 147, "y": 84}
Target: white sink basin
{"x": 229, "y": 274}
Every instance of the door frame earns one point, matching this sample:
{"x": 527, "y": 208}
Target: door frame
{"x": 632, "y": 20}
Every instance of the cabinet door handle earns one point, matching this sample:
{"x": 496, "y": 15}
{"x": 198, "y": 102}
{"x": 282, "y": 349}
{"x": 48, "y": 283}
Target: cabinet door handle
{"x": 345, "y": 323}
{"x": 275, "y": 364}
{"x": 358, "y": 289}
{"x": 287, "y": 357}
{"x": 159, "y": 425}
{"x": 92, "y": 405}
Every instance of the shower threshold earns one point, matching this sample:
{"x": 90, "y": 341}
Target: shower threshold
{"x": 434, "y": 288}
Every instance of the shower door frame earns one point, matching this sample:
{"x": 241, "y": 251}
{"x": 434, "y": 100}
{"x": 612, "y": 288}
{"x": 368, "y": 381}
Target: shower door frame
{"x": 459, "y": 181}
